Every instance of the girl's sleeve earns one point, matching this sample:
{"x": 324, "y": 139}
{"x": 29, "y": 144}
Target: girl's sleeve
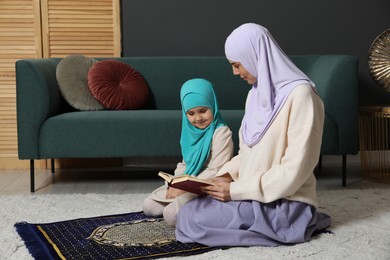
{"x": 221, "y": 152}
{"x": 180, "y": 168}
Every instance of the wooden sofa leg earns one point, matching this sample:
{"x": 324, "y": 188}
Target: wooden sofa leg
{"x": 32, "y": 184}
{"x": 344, "y": 171}
{"x": 52, "y": 166}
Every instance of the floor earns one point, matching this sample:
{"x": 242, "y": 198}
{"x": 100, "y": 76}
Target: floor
{"x": 144, "y": 179}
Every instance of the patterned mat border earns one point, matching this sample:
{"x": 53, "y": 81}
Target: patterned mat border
{"x": 69, "y": 240}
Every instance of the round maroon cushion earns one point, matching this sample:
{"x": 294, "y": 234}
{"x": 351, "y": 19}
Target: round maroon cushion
{"x": 116, "y": 85}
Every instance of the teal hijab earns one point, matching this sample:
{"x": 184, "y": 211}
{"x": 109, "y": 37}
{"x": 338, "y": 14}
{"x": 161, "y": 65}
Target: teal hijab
{"x": 196, "y": 143}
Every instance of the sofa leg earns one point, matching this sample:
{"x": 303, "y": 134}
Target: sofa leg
{"x": 344, "y": 171}
{"x": 320, "y": 162}
{"x": 52, "y": 166}
{"x": 318, "y": 167}
{"x": 32, "y": 184}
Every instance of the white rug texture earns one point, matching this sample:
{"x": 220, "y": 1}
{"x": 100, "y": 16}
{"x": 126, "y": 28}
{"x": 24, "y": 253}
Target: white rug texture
{"x": 361, "y": 224}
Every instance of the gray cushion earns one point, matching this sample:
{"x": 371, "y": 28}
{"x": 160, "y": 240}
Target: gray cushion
{"x": 72, "y": 77}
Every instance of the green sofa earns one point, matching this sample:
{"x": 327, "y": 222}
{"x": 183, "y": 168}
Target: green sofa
{"x": 49, "y": 128}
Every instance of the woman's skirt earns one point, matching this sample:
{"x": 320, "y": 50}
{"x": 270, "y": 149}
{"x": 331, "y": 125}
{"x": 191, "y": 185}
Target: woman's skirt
{"x": 248, "y": 223}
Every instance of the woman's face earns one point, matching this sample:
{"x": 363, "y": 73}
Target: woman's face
{"x": 200, "y": 117}
{"x": 238, "y": 69}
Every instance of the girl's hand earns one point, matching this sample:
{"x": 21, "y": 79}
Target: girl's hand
{"x": 173, "y": 193}
{"x": 221, "y": 188}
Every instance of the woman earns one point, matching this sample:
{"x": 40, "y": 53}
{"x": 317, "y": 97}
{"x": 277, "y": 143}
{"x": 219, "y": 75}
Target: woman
{"x": 266, "y": 195}
{"x": 206, "y": 144}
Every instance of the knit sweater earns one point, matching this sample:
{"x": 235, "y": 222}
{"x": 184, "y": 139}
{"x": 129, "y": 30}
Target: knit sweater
{"x": 221, "y": 151}
{"x": 281, "y": 164}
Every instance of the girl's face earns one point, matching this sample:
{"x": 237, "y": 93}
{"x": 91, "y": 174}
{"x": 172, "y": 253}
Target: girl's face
{"x": 200, "y": 117}
{"x": 238, "y": 69}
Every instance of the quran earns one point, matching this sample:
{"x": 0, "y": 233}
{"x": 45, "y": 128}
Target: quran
{"x": 185, "y": 182}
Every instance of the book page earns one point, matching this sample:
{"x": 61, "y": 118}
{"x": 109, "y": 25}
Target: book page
{"x": 185, "y": 182}
{"x": 189, "y": 178}
{"x": 166, "y": 176}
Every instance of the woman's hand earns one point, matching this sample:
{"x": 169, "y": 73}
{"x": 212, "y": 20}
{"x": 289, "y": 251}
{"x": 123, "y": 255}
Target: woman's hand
{"x": 226, "y": 177}
{"x": 173, "y": 193}
{"x": 221, "y": 188}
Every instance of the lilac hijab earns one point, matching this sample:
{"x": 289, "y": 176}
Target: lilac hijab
{"x": 254, "y": 47}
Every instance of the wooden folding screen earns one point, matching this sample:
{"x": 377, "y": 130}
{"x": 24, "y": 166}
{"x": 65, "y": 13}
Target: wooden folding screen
{"x": 48, "y": 28}
{"x": 85, "y": 27}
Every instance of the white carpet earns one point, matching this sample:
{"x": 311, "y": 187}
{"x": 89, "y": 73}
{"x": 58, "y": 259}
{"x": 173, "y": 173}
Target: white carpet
{"x": 361, "y": 224}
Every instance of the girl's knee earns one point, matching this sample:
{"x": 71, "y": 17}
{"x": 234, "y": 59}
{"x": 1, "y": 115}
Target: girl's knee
{"x": 152, "y": 208}
{"x": 169, "y": 214}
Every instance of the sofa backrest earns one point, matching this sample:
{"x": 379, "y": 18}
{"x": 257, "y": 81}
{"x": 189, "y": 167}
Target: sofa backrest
{"x": 166, "y": 75}
{"x": 335, "y": 77}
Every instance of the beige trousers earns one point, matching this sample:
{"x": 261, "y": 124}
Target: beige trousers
{"x": 154, "y": 208}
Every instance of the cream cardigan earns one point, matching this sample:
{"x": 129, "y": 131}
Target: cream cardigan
{"x": 281, "y": 165}
{"x": 221, "y": 152}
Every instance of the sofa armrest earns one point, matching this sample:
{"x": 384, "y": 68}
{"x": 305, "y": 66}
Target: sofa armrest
{"x": 341, "y": 99}
{"x": 38, "y": 97}
{"x": 336, "y": 79}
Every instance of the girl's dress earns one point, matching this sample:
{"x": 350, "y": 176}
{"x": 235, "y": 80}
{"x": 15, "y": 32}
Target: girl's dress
{"x": 204, "y": 151}
{"x": 221, "y": 151}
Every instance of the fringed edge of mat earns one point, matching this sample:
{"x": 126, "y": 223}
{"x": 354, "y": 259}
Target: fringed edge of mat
{"x": 36, "y": 247}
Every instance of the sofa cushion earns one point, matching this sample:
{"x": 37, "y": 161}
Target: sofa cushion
{"x": 72, "y": 78}
{"x": 116, "y": 85}
{"x": 111, "y": 134}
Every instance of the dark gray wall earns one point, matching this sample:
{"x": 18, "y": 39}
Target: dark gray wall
{"x": 200, "y": 27}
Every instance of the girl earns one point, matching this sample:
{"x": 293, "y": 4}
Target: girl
{"x": 266, "y": 195}
{"x": 206, "y": 144}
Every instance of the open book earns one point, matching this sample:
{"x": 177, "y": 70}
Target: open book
{"x": 185, "y": 182}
